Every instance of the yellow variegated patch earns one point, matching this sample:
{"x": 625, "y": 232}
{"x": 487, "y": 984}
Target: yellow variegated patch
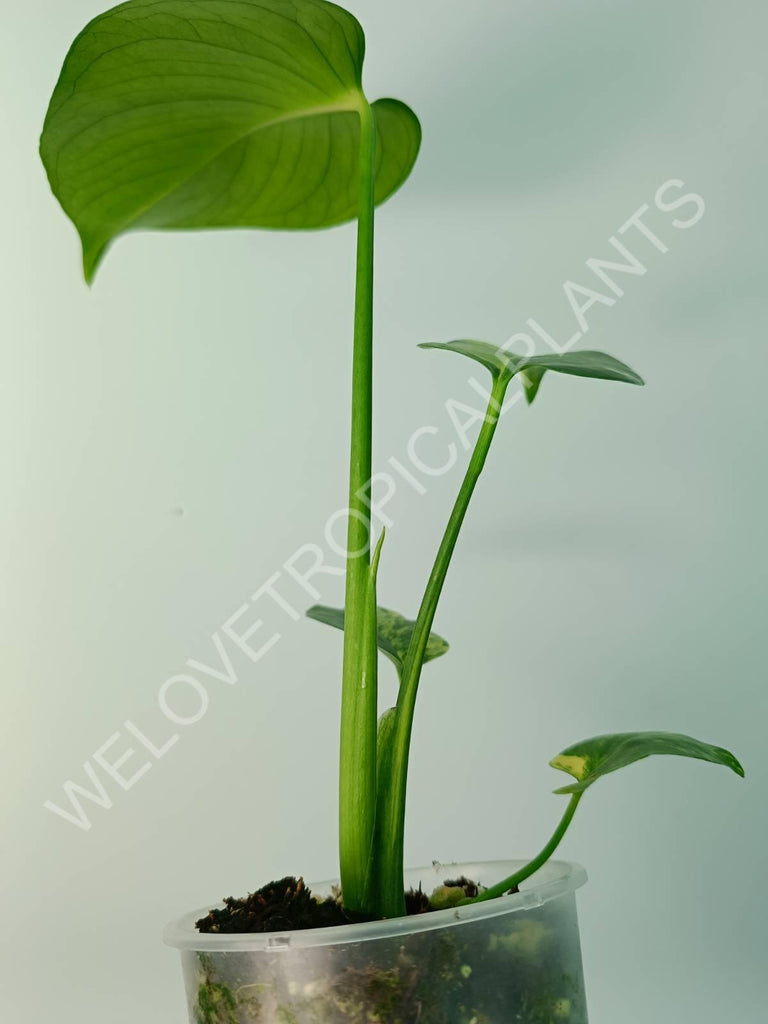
{"x": 573, "y": 765}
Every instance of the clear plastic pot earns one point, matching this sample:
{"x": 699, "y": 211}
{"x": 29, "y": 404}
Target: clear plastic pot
{"x": 512, "y": 960}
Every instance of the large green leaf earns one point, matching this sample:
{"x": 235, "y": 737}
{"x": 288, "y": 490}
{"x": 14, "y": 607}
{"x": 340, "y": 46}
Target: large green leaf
{"x": 216, "y": 113}
{"x": 393, "y": 630}
{"x": 589, "y": 760}
{"x": 532, "y": 368}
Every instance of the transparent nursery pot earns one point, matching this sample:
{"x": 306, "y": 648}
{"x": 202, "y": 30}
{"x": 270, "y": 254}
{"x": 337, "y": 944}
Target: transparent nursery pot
{"x": 511, "y": 960}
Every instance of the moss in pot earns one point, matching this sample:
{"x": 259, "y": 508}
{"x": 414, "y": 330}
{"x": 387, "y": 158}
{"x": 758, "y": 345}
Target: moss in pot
{"x": 516, "y": 958}
{"x": 199, "y": 114}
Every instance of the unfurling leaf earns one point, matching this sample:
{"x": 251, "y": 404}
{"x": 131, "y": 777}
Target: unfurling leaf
{"x": 386, "y": 729}
{"x": 589, "y": 760}
{"x": 384, "y": 743}
{"x": 503, "y": 364}
{"x": 174, "y": 114}
{"x": 370, "y": 660}
{"x": 393, "y": 630}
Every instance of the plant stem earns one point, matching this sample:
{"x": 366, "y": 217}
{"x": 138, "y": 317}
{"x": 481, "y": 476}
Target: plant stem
{"x": 536, "y": 863}
{"x": 357, "y": 768}
{"x": 390, "y": 899}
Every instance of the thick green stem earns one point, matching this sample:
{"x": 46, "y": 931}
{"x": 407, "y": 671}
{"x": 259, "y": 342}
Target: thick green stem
{"x": 357, "y": 770}
{"x": 390, "y": 899}
{"x": 520, "y": 876}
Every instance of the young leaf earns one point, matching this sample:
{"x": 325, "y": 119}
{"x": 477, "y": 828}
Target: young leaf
{"x": 497, "y": 360}
{"x": 505, "y": 365}
{"x": 589, "y": 760}
{"x": 598, "y": 365}
{"x": 384, "y": 748}
{"x": 394, "y": 633}
{"x": 173, "y": 114}
{"x": 386, "y": 729}
{"x": 370, "y": 659}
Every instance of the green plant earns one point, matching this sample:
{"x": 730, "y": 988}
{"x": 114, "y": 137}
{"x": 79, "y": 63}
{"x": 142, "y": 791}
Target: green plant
{"x": 190, "y": 114}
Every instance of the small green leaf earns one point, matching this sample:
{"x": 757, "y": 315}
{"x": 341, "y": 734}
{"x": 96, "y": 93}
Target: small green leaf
{"x": 493, "y": 358}
{"x": 586, "y": 363}
{"x": 394, "y": 633}
{"x": 179, "y": 114}
{"x": 506, "y": 365}
{"x": 589, "y": 760}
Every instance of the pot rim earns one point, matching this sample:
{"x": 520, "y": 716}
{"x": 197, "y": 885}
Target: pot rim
{"x": 556, "y": 878}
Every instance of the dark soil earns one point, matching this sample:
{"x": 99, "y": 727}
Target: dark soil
{"x": 416, "y": 902}
{"x": 288, "y": 905}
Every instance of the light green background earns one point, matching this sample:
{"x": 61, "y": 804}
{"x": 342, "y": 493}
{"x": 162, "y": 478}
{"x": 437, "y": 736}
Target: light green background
{"x": 612, "y": 574}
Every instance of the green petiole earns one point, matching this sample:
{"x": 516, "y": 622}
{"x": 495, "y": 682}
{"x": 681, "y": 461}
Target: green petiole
{"x": 357, "y": 767}
{"x": 391, "y": 798}
{"x": 520, "y": 876}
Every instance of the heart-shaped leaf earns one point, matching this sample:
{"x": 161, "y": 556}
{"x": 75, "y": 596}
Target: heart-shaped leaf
{"x": 393, "y": 630}
{"x": 589, "y": 760}
{"x": 532, "y": 368}
{"x": 216, "y": 114}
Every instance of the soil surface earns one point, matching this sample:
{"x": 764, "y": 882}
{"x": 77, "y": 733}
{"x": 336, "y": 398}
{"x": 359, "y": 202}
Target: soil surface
{"x": 288, "y": 905}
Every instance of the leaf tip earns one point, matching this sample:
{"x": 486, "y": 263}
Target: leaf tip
{"x": 377, "y": 554}
{"x": 732, "y": 762}
{"x": 93, "y": 254}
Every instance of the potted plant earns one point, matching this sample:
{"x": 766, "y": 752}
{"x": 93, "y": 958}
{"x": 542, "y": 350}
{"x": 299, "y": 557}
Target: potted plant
{"x": 192, "y": 114}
